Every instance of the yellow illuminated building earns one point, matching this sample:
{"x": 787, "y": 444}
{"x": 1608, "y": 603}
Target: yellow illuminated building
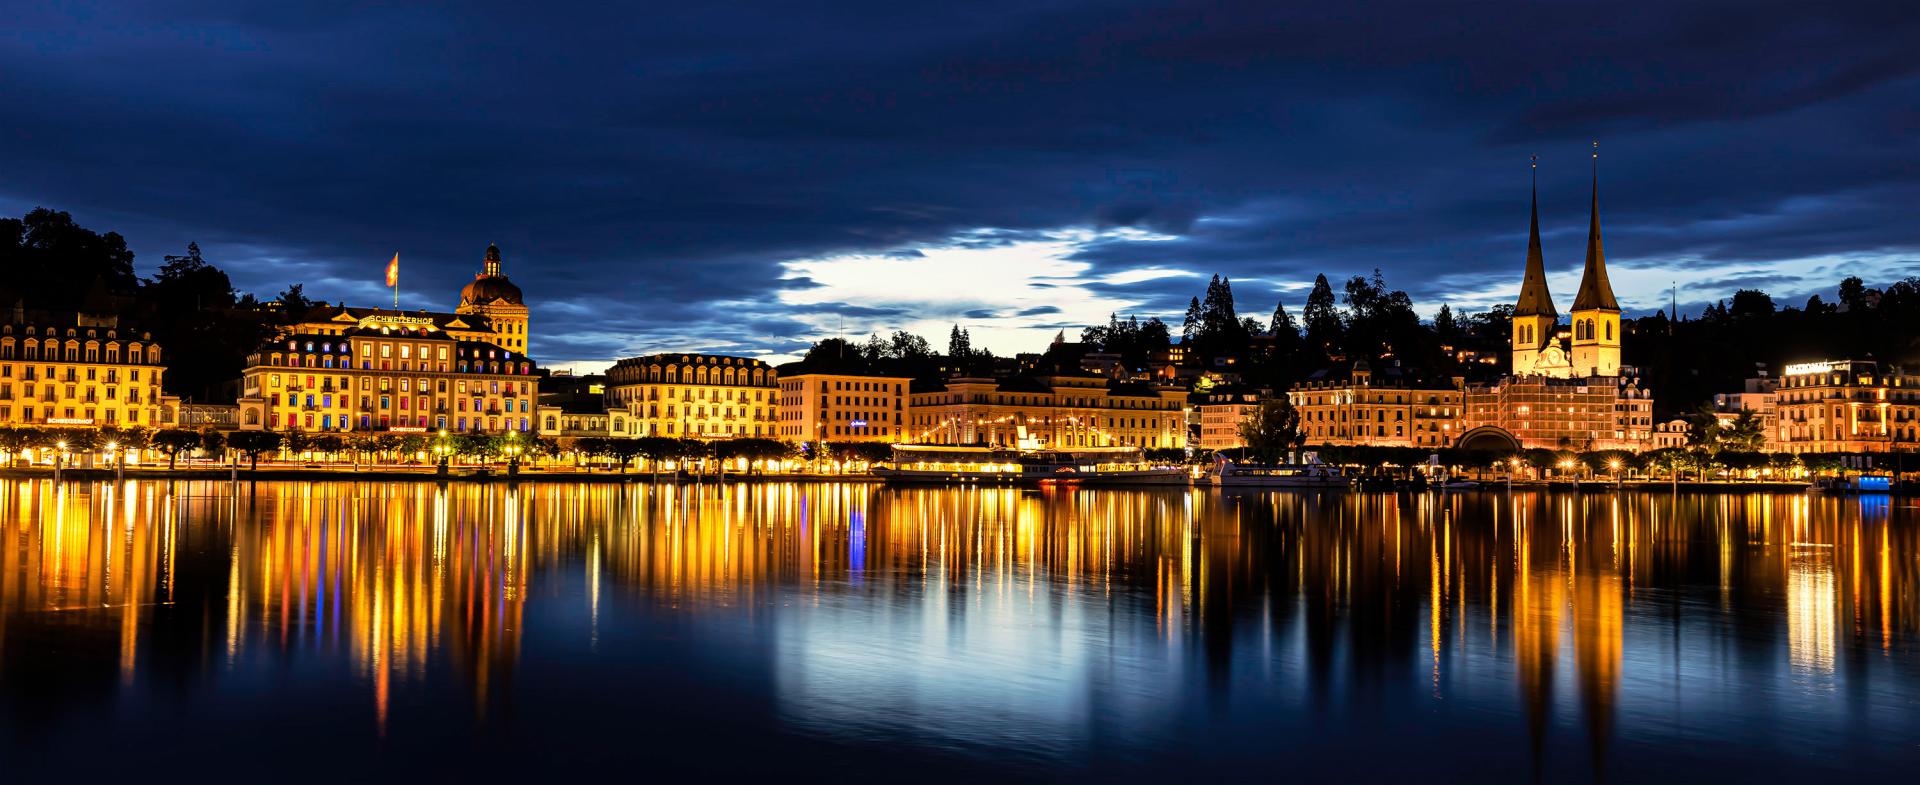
{"x": 843, "y": 407}
{"x": 1049, "y": 411}
{"x": 389, "y": 373}
{"x": 1221, "y": 412}
{"x": 84, "y": 372}
{"x": 701, "y": 396}
{"x": 1386, "y": 410}
{"x": 1846, "y": 406}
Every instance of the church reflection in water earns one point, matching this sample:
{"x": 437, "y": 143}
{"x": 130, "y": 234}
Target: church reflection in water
{"x": 978, "y": 616}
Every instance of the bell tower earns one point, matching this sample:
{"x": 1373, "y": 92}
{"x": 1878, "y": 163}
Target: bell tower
{"x": 1534, "y": 318}
{"x": 1596, "y": 316}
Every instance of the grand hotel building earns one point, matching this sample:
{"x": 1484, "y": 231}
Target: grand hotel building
{"x": 1059, "y": 411}
{"x": 81, "y": 371}
{"x": 376, "y": 369}
{"x": 701, "y": 396}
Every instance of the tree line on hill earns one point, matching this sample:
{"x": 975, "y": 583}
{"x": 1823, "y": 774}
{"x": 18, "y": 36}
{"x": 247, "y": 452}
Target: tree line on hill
{"x": 205, "y": 326}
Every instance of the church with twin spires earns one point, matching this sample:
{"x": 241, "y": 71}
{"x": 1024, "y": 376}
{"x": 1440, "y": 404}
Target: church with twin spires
{"x": 1567, "y": 389}
{"x": 1540, "y": 346}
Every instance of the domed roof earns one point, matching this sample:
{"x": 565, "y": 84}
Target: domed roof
{"x": 490, "y": 285}
{"x": 488, "y": 288}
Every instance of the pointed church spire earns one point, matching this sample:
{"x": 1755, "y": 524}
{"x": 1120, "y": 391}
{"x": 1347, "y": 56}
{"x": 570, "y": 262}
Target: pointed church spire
{"x": 1596, "y": 293}
{"x": 1535, "y": 299}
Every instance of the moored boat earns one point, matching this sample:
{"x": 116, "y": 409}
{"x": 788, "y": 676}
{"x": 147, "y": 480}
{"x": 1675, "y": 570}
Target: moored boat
{"x": 1085, "y": 466}
{"x": 1227, "y": 474}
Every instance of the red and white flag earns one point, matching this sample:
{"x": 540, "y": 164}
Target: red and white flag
{"x": 393, "y": 270}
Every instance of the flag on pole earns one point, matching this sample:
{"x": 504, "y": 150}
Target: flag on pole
{"x": 393, "y": 270}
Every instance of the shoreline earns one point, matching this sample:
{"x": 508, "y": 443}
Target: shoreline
{"x": 392, "y": 474}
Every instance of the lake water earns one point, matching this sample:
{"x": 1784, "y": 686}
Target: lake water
{"x": 820, "y": 632}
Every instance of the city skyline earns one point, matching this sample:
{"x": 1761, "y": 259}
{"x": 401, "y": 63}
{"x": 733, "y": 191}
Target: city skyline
{"x": 746, "y": 189}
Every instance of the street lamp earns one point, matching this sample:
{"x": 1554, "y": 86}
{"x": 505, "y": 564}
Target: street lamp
{"x": 513, "y": 453}
{"x": 441, "y": 451}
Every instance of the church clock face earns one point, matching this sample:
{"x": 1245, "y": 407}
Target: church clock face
{"x": 1553, "y": 357}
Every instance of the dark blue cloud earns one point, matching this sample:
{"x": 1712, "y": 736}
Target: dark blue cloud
{"x": 648, "y": 171}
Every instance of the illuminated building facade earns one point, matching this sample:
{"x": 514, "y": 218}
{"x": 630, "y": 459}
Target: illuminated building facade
{"x": 1672, "y": 433}
{"x": 575, "y": 407}
{"x": 1846, "y": 406}
{"x": 1058, "y": 411}
{"x": 1220, "y": 412}
{"x": 1598, "y": 413}
{"x": 1567, "y": 388}
{"x": 80, "y": 372}
{"x": 1756, "y": 395}
{"x": 389, "y": 373}
{"x": 843, "y": 407}
{"x": 1387, "y": 409}
{"x": 701, "y": 396}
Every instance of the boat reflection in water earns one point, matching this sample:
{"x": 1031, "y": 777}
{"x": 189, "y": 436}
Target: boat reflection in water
{"x": 843, "y": 630}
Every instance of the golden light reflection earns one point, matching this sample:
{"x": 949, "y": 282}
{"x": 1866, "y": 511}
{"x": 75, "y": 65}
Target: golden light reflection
{"x": 403, "y": 582}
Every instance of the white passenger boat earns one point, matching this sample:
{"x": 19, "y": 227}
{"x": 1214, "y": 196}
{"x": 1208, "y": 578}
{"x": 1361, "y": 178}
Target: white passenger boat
{"x": 1227, "y": 474}
{"x": 1096, "y": 466}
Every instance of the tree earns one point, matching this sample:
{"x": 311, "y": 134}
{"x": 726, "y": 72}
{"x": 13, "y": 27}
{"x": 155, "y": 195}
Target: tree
{"x": 830, "y": 352}
{"x": 1443, "y": 323}
{"x": 624, "y": 451}
{"x": 1745, "y": 433}
{"x": 192, "y": 303}
{"x": 294, "y": 302}
{"x": 1750, "y": 304}
{"x": 1271, "y": 429}
{"x": 51, "y": 262}
{"x": 753, "y": 449}
{"x": 959, "y": 345}
{"x": 254, "y": 443}
{"x": 904, "y": 345}
{"x": 173, "y": 441}
{"x": 1853, "y": 294}
{"x": 1321, "y": 319}
{"x": 1191, "y": 327}
{"x": 213, "y": 442}
{"x": 14, "y": 440}
{"x": 479, "y": 446}
{"x": 330, "y": 444}
{"x": 189, "y": 282}
{"x": 660, "y": 448}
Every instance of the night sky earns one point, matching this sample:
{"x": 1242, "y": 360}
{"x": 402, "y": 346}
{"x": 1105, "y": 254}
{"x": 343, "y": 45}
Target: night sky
{"x": 748, "y": 178}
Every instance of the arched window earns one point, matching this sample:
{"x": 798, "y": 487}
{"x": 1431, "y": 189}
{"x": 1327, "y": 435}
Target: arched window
{"x": 1609, "y": 327}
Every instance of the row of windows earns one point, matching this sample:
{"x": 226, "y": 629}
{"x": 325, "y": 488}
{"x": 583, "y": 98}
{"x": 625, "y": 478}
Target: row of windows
{"x": 331, "y": 422}
{"x": 74, "y": 351}
{"x": 692, "y": 374}
{"x": 327, "y": 401}
{"x": 88, "y": 393}
{"x": 30, "y": 373}
{"x": 842, "y": 385}
{"x": 1040, "y": 400}
{"x": 74, "y": 415}
{"x": 633, "y": 394}
{"x": 405, "y": 384}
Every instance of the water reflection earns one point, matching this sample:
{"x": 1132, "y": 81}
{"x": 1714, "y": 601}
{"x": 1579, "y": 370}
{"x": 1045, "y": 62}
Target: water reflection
{"x": 1075, "y": 628}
